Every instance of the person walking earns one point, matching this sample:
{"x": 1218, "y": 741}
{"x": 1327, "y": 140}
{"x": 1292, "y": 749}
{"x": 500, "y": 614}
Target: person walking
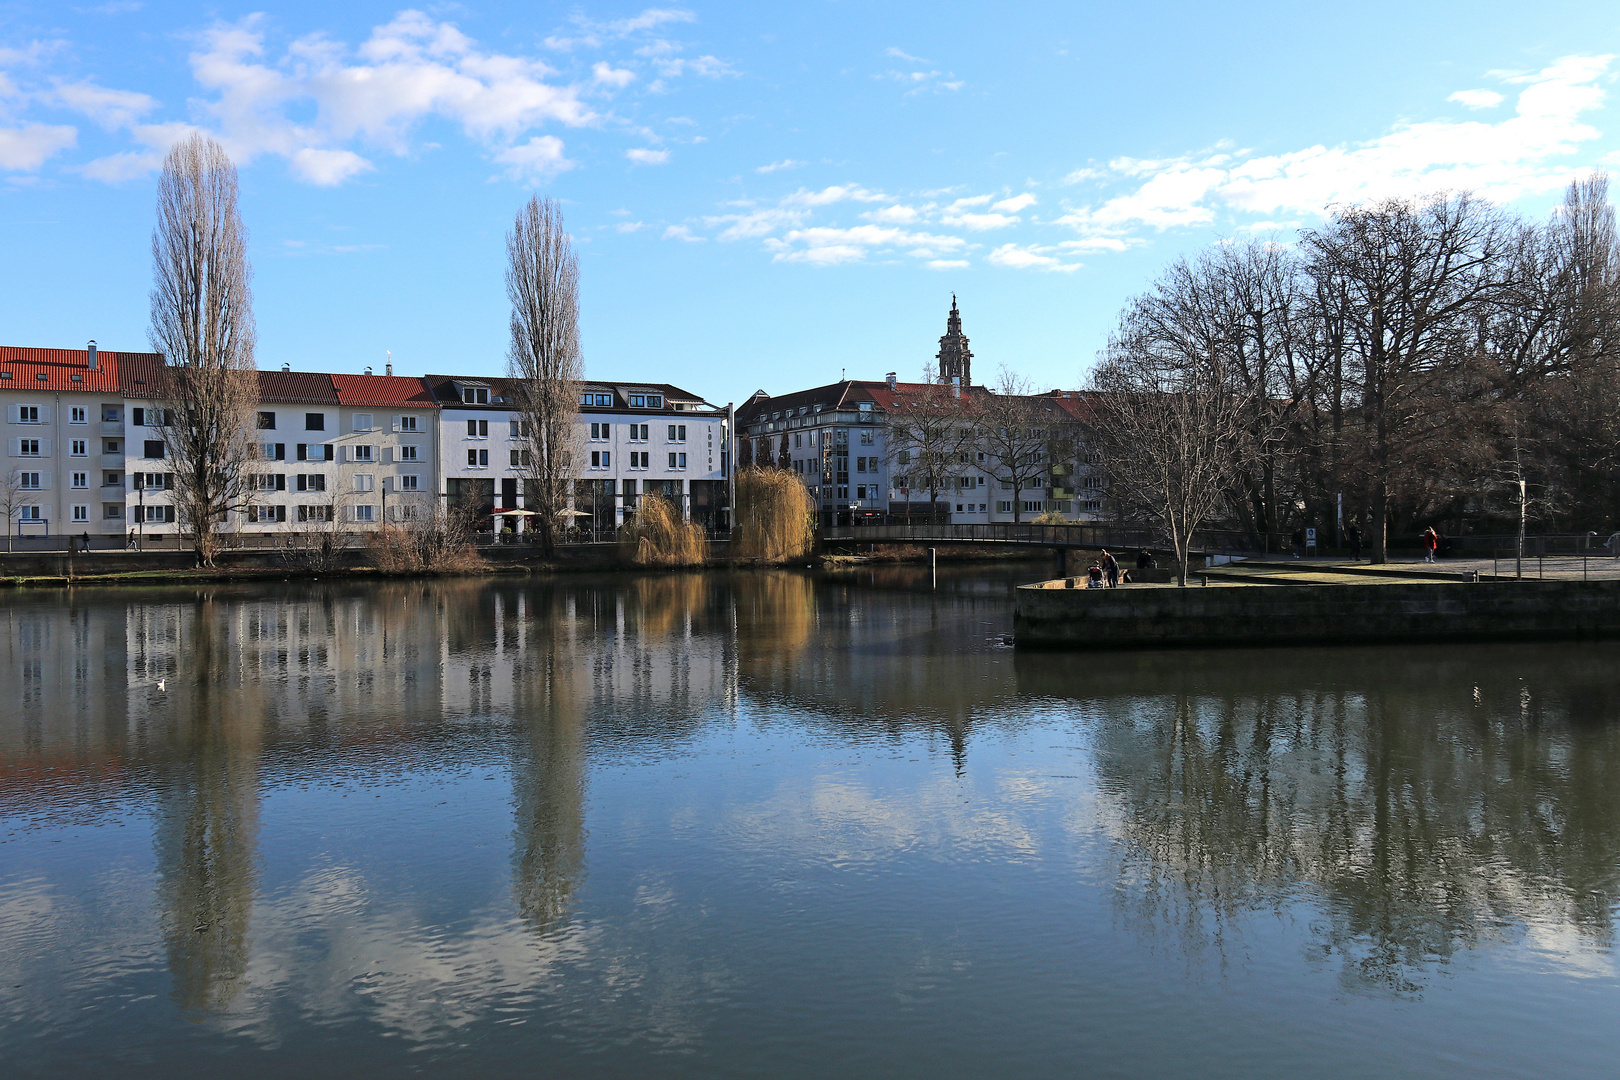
{"x": 1431, "y": 544}
{"x": 1110, "y": 568}
{"x": 1299, "y": 543}
{"x": 1355, "y": 543}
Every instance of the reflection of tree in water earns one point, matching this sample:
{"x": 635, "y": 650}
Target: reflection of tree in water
{"x": 1418, "y": 818}
{"x": 548, "y": 770}
{"x": 207, "y": 813}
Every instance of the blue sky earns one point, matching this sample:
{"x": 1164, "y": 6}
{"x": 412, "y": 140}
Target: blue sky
{"x": 764, "y": 196}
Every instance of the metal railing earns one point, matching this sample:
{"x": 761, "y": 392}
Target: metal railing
{"x": 1031, "y": 535}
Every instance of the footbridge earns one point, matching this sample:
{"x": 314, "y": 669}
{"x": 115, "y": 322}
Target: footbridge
{"x": 1059, "y": 539}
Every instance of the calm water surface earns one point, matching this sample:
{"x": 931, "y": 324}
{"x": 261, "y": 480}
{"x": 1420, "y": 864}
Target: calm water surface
{"x": 778, "y": 825}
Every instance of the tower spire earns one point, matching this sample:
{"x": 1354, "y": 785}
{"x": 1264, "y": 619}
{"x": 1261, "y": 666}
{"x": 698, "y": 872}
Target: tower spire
{"x": 954, "y": 356}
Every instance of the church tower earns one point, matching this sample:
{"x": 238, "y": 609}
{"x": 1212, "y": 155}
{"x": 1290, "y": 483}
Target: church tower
{"x": 955, "y": 358}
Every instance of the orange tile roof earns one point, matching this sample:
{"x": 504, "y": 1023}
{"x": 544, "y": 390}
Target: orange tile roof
{"x": 59, "y": 368}
{"x": 398, "y": 391}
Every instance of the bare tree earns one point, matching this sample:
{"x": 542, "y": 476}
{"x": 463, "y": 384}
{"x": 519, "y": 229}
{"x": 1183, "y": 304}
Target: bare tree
{"x": 12, "y": 499}
{"x": 202, "y": 321}
{"x": 542, "y": 281}
{"x": 1172, "y": 423}
{"x": 1010, "y": 429}
{"x": 1416, "y": 282}
{"x": 929, "y": 427}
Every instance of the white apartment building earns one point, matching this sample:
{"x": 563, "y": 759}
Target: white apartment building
{"x": 630, "y": 439}
{"x": 65, "y": 443}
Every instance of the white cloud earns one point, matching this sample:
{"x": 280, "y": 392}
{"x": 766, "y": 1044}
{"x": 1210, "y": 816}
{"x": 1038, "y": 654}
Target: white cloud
{"x": 1477, "y": 99}
{"x": 112, "y": 109}
{"x": 1528, "y": 152}
{"x": 1029, "y": 258}
{"x": 608, "y": 75}
{"x": 28, "y": 147}
{"x": 893, "y": 215}
{"x": 829, "y": 246}
{"x": 1015, "y": 204}
{"x": 980, "y": 222}
{"x": 630, "y": 226}
{"x": 328, "y": 167}
{"x": 682, "y": 232}
{"x": 776, "y": 166}
{"x": 594, "y": 34}
{"x": 538, "y": 159}
{"x": 642, "y": 156}
{"x": 922, "y": 82}
{"x": 899, "y": 55}
{"x": 946, "y": 264}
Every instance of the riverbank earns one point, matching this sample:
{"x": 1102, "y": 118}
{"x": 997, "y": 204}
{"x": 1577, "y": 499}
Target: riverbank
{"x": 1056, "y": 614}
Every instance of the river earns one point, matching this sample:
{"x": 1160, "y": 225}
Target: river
{"x": 789, "y": 825}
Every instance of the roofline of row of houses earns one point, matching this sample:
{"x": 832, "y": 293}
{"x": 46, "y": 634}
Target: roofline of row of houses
{"x": 139, "y": 375}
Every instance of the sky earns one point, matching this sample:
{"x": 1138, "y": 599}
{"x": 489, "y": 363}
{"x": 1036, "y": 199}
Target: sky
{"x": 763, "y": 196}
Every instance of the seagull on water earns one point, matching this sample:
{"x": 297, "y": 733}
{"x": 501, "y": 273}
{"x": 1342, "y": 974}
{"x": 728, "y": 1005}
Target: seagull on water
{"x": 161, "y": 682}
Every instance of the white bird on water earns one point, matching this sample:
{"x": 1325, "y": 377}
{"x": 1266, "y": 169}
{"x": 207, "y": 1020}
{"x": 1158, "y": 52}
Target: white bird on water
{"x": 161, "y": 682}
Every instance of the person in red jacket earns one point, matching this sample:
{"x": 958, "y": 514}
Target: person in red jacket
{"x": 1431, "y": 544}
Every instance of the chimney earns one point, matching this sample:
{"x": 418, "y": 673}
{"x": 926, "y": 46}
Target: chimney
{"x": 368, "y": 369}
{"x": 388, "y": 369}
{"x": 891, "y": 379}
{"x": 286, "y": 367}
{"x": 956, "y": 386}
{"x": 93, "y": 363}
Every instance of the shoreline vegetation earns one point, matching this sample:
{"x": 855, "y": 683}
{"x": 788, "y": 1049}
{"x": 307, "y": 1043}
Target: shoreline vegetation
{"x": 474, "y": 565}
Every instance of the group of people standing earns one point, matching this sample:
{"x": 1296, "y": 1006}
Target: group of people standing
{"x": 1106, "y": 574}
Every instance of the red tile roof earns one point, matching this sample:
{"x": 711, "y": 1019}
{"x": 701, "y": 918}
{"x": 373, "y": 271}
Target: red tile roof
{"x": 59, "y": 366}
{"x": 296, "y": 388}
{"x": 395, "y": 391}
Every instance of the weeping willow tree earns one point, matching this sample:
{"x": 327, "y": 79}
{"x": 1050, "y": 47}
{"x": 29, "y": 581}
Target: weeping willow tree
{"x": 775, "y": 515}
{"x": 657, "y": 536}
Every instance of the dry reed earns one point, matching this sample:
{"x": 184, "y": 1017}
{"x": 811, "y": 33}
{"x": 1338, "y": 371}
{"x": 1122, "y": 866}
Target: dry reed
{"x": 776, "y": 518}
{"x": 657, "y": 536}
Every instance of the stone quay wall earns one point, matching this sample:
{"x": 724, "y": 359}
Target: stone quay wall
{"x": 1047, "y": 615}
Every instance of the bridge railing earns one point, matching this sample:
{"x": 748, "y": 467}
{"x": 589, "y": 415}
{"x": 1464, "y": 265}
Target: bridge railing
{"x": 1026, "y": 534}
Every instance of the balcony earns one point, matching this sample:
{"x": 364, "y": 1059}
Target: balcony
{"x": 112, "y": 461}
{"x": 112, "y": 427}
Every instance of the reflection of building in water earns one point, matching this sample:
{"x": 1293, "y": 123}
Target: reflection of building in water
{"x": 1419, "y": 799}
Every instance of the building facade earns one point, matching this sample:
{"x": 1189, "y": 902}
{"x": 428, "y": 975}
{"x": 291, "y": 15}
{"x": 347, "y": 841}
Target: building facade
{"x": 630, "y": 439}
{"x": 66, "y": 442}
{"x": 860, "y": 447}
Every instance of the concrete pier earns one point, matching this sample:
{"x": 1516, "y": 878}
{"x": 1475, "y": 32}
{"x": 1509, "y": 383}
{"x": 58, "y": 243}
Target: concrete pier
{"x": 1050, "y": 615}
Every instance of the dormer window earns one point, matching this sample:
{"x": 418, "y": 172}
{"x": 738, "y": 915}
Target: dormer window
{"x": 475, "y": 395}
{"x": 602, "y": 400}
{"x": 655, "y": 401}
{"x": 638, "y": 401}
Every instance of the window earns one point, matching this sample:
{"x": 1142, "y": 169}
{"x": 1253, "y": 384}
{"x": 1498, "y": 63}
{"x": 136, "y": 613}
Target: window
{"x": 111, "y": 446}
{"x": 514, "y": 432}
{"x": 79, "y": 447}
{"x": 408, "y": 423}
{"x": 365, "y": 513}
{"x": 604, "y": 400}
{"x": 315, "y": 513}
{"x": 638, "y": 401}
{"x": 677, "y": 433}
{"x": 314, "y": 421}
{"x": 28, "y": 481}
{"x": 601, "y": 431}
{"x": 362, "y": 421}
{"x": 28, "y": 448}
{"x": 365, "y": 452}
{"x": 114, "y": 479}
{"x": 866, "y": 437}
{"x": 655, "y": 401}
{"x": 1003, "y": 506}
{"x": 407, "y": 453}
{"x": 154, "y": 448}
{"x": 270, "y": 482}
{"x": 138, "y": 417}
{"x": 30, "y": 513}
{"x": 81, "y": 513}
{"x": 601, "y": 459}
{"x": 112, "y": 511}
{"x": 408, "y": 482}
{"x": 1032, "y": 506}
{"x": 157, "y": 515}
{"x": 311, "y": 481}
{"x": 478, "y": 429}
{"x": 267, "y": 514}
{"x": 478, "y": 459}
{"x": 267, "y": 421}
{"x": 314, "y": 452}
{"x": 28, "y": 414}
{"x": 365, "y": 482}
{"x": 77, "y": 415}
{"x": 904, "y": 457}
{"x": 475, "y": 395}
{"x": 81, "y": 479}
